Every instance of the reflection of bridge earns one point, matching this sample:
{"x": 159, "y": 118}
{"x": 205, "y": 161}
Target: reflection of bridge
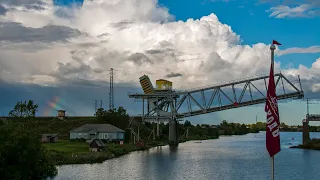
{"x": 169, "y": 105}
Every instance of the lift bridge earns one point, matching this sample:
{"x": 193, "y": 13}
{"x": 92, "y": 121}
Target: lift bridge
{"x": 165, "y": 104}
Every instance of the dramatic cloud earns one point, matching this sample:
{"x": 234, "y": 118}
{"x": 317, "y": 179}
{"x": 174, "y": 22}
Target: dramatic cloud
{"x": 172, "y": 74}
{"x": 40, "y": 46}
{"x": 14, "y": 32}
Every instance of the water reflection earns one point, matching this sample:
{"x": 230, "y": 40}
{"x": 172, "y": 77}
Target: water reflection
{"x": 173, "y": 149}
{"x": 235, "y": 158}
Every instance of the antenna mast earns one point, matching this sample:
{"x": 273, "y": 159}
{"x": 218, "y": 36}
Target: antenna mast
{"x": 111, "y": 98}
{"x": 307, "y": 106}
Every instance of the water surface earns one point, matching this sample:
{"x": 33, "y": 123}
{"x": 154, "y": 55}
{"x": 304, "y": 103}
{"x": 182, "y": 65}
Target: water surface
{"x": 233, "y": 157}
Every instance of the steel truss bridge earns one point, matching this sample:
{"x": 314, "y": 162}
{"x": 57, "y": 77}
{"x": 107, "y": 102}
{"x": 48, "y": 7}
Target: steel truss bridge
{"x": 168, "y": 105}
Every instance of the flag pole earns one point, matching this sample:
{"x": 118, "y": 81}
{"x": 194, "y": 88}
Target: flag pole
{"x": 272, "y": 48}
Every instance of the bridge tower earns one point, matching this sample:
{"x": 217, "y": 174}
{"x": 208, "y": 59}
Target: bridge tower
{"x": 305, "y": 123}
{"x": 305, "y": 126}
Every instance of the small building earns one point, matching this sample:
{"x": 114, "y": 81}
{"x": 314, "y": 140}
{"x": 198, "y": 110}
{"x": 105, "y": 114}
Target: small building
{"x": 96, "y": 145}
{"x": 162, "y": 84}
{"x": 61, "y": 114}
{"x": 49, "y": 138}
{"x": 106, "y": 132}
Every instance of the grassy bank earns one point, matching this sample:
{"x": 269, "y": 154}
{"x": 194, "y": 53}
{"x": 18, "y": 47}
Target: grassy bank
{"x": 312, "y": 144}
{"x": 66, "y": 152}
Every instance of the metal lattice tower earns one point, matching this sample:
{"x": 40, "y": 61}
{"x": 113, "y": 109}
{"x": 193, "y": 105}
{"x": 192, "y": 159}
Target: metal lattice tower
{"x": 95, "y": 106}
{"x": 111, "y": 97}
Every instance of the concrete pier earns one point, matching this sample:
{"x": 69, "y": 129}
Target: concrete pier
{"x": 173, "y": 132}
{"x": 305, "y": 133}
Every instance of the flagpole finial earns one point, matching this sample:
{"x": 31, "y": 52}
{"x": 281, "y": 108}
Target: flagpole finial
{"x": 272, "y": 47}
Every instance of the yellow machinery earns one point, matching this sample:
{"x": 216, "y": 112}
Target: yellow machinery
{"x": 146, "y": 84}
{"x": 163, "y": 84}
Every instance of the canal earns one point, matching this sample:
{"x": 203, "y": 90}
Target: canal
{"x": 233, "y": 157}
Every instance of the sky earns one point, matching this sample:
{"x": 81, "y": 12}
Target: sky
{"x": 59, "y": 52}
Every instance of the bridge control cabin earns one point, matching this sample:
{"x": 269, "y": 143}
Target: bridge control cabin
{"x": 163, "y": 85}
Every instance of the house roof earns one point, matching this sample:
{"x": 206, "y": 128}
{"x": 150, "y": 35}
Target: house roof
{"x": 101, "y": 128}
{"x": 98, "y": 141}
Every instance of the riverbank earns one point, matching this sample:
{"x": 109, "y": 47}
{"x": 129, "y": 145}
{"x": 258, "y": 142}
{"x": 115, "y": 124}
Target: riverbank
{"x": 313, "y": 144}
{"x": 65, "y": 152}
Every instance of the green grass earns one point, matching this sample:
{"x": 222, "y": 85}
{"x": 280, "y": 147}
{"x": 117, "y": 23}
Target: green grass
{"x": 67, "y": 146}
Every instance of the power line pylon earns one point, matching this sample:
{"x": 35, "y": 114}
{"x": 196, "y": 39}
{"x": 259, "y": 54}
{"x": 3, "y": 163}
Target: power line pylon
{"x": 111, "y": 97}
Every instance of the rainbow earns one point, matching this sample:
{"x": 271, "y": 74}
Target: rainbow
{"x": 53, "y": 105}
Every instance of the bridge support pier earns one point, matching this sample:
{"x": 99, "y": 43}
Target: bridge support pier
{"x": 158, "y": 129}
{"x": 173, "y": 132}
{"x": 305, "y": 131}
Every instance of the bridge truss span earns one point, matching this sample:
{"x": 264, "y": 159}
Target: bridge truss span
{"x": 215, "y": 98}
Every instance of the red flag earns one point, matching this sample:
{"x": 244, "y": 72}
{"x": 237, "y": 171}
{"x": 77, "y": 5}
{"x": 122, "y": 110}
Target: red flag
{"x": 273, "y": 122}
{"x": 275, "y": 42}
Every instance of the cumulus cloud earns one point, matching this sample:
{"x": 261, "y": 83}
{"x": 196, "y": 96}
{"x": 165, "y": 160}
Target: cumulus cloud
{"x": 133, "y": 37}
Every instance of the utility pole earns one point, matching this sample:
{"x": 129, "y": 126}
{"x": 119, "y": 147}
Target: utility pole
{"x": 111, "y": 98}
{"x": 95, "y": 106}
{"x": 307, "y": 106}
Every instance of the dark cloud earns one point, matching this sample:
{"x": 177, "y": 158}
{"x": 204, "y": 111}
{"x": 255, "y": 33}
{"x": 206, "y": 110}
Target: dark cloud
{"x": 68, "y": 68}
{"x": 139, "y": 58}
{"x": 15, "y": 32}
{"x": 3, "y": 10}
{"x": 121, "y": 25}
{"x": 172, "y": 74}
{"x": 28, "y": 4}
{"x": 88, "y": 45}
{"x": 154, "y": 51}
{"x": 103, "y": 34}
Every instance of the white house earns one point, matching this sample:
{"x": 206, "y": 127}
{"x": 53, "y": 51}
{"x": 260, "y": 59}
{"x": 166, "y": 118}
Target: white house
{"x": 97, "y": 131}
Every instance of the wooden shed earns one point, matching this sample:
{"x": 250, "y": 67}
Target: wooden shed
{"x": 96, "y": 145}
{"x": 49, "y": 138}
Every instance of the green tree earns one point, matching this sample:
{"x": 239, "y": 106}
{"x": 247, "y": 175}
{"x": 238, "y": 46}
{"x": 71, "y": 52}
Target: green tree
{"x": 22, "y": 156}
{"x": 24, "y": 111}
{"x": 187, "y": 123}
